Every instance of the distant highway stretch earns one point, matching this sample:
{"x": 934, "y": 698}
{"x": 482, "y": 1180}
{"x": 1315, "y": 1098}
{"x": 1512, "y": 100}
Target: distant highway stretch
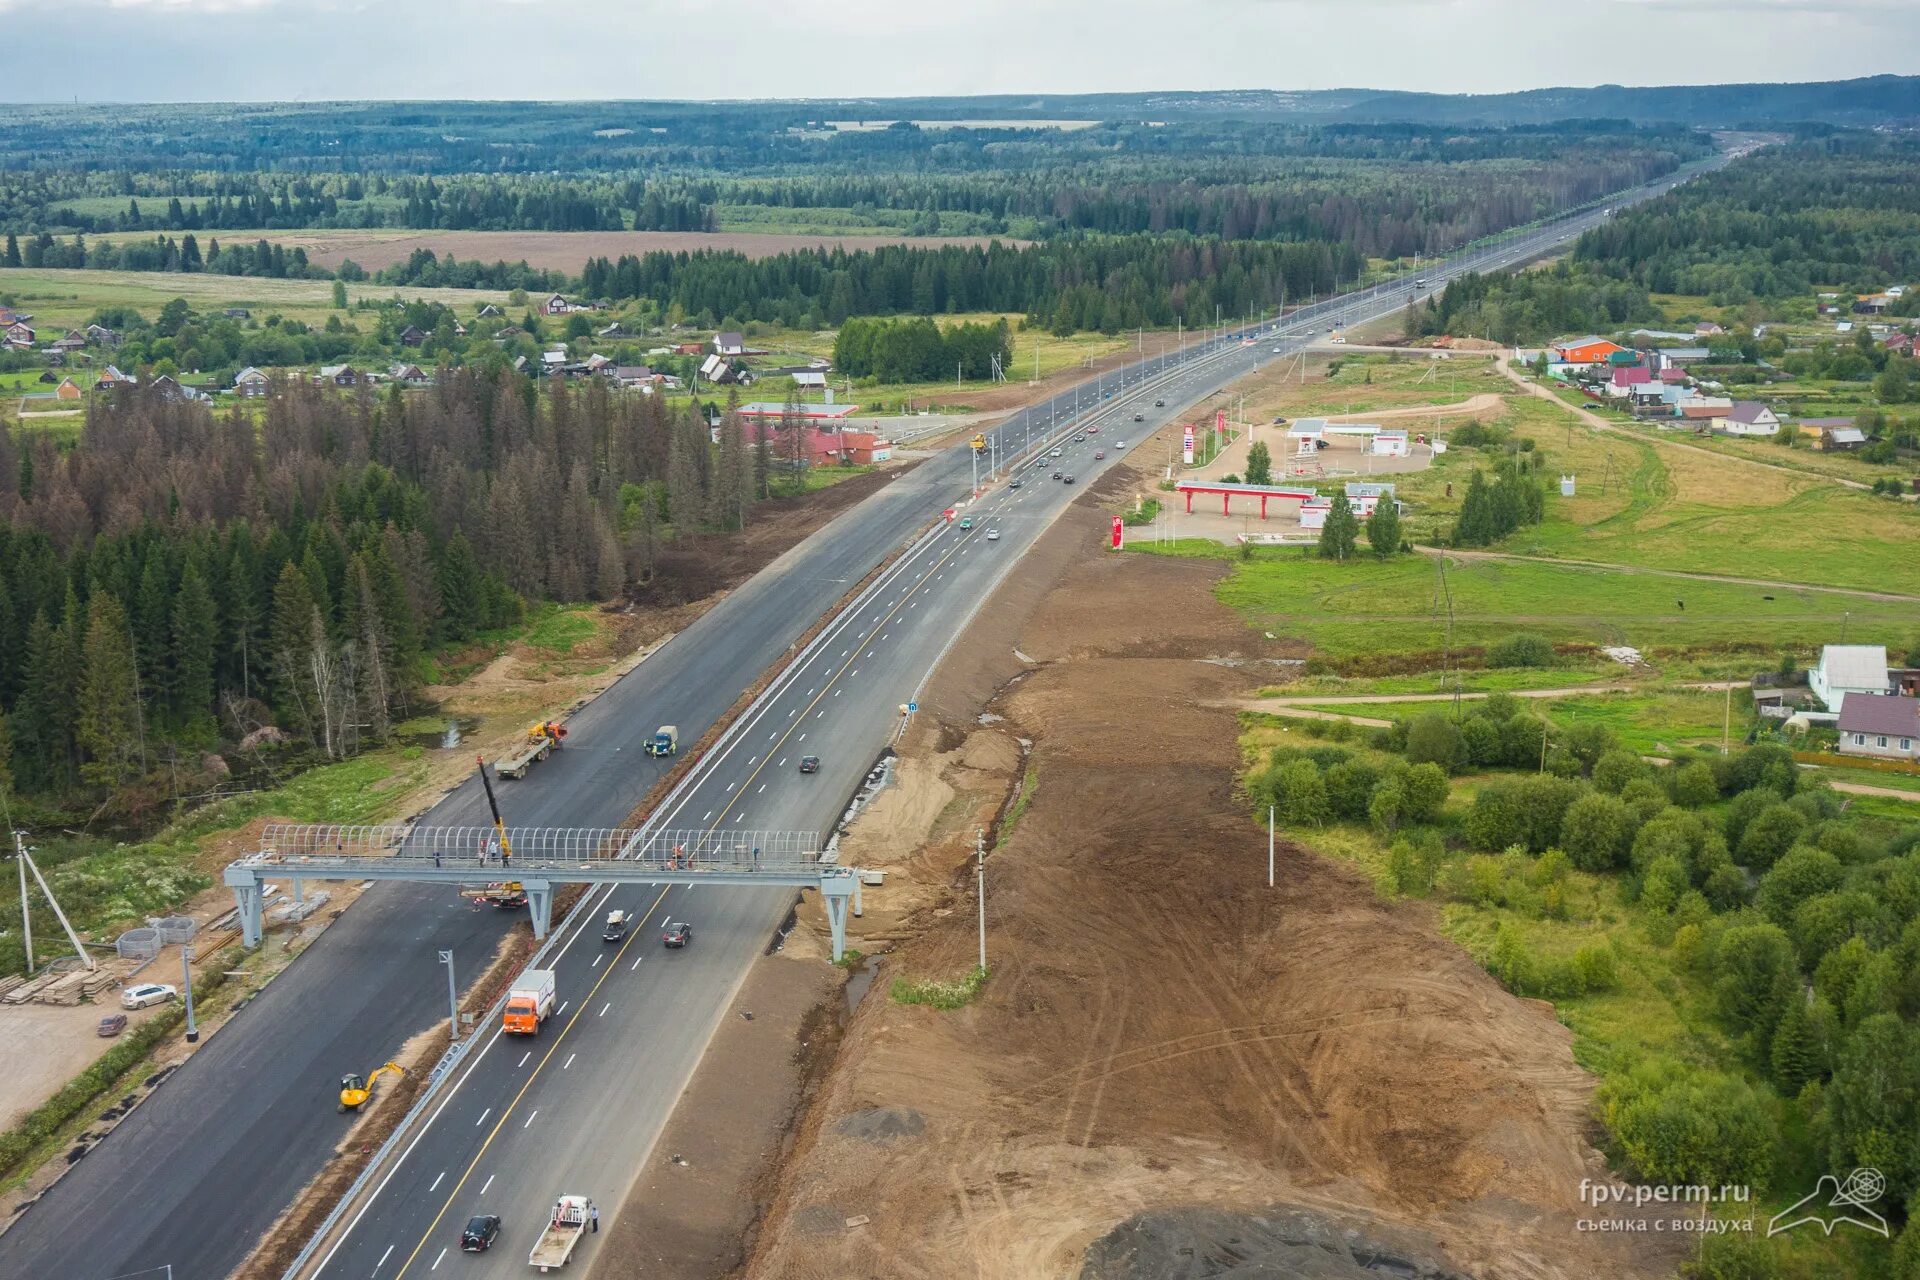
{"x": 202, "y": 1169}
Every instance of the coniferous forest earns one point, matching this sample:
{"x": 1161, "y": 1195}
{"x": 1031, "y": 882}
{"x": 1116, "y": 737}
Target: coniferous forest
{"x": 180, "y": 577}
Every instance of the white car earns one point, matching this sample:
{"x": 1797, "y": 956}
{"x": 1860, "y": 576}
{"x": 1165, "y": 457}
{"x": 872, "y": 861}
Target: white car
{"x": 993, "y": 535}
{"x": 1056, "y": 453}
{"x": 1277, "y": 351}
{"x": 147, "y": 993}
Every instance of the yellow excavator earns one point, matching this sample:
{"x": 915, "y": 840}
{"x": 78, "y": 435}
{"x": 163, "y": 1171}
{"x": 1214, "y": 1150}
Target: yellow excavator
{"x": 356, "y": 1089}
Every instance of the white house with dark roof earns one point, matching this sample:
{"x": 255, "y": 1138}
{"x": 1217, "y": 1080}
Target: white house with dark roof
{"x": 1885, "y": 727}
{"x": 1748, "y": 418}
{"x": 1849, "y": 668}
{"x": 729, "y": 344}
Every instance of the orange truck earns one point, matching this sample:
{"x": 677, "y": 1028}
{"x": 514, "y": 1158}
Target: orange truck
{"x": 529, "y": 1003}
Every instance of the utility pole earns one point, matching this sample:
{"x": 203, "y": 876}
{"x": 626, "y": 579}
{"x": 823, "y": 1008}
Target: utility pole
{"x": 26, "y": 916}
{"x": 1726, "y": 723}
{"x": 980, "y": 884}
{"x": 453, "y": 1001}
{"x": 186, "y": 989}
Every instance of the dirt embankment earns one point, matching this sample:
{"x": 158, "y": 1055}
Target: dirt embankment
{"x": 1172, "y": 1067}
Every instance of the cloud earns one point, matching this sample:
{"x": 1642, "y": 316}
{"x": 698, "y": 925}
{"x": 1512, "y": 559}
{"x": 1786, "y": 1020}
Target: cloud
{"x": 279, "y": 50}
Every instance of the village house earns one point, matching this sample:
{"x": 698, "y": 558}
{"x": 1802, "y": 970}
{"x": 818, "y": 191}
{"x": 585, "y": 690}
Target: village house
{"x": 413, "y": 336}
{"x": 1747, "y": 418}
{"x": 1842, "y": 439}
{"x": 238, "y": 313}
{"x": 556, "y": 305}
{"x": 20, "y": 335}
{"x": 729, "y": 344}
{"x": 251, "y": 383}
{"x": 1848, "y": 668}
{"x": 1883, "y": 727}
{"x": 68, "y": 390}
{"x": 102, "y": 336}
{"x": 338, "y": 375}
{"x": 409, "y": 375}
{"x": 488, "y": 312}
{"x": 73, "y": 340}
{"x": 110, "y": 378}
{"x": 1704, "y": 409}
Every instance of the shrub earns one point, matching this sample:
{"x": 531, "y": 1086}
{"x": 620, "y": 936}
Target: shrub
{"x": 1693, "y": 785}
{"x": 1521, "y": 650}
{"x": 1684, "y": 1125}
{"x": 1770, "y": 835}
{"x": 1349, "y": 789}
{"x": 1596, "y": 831}
{"x": 1425, "y": 787}
{"x": 1410, "y": 864}
{"x": 1434, "y": 739}
{"x": 1801, "y": 873}
{"x": 1303, "y": 794}
{"x": 1616, "y": 768}
{"x": 1755, "y": 974}
{"x": 1593, "y": 969}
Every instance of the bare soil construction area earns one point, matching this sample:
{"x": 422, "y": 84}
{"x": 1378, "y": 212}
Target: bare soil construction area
{"x": 1172, "y": 1069}
{"x": 565, "y": 250}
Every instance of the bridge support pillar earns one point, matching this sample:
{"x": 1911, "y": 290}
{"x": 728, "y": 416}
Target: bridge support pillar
{"x": 856, "y": 896}
{"x": 539, "y": 906}
{"x": 245, "y": 883}
{"x": 299, "y": 889}
{"x": 835, "y": 892}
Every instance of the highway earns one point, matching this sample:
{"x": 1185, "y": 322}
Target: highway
{"x": 194, "y": 1177}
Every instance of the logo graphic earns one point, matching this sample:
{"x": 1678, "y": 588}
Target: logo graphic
{"x": 1833, "y": 1202}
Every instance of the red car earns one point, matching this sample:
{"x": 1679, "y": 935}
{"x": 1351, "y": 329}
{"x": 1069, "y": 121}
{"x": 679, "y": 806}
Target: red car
{"x": 678, "y": 934}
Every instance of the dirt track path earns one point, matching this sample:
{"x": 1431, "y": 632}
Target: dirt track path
{"x": 1485, "y": 402}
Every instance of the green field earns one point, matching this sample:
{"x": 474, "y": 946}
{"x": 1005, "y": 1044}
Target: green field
{"x": 1368, "y": 607}
{"x": 61, "y": 299}
{"x": 1654, "y": 722}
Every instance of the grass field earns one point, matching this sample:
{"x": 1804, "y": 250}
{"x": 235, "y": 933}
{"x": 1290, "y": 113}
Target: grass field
{"x": 1368, "y": 607}
{"x": 1364, "y": 383}
{"x": 62, "y": 299}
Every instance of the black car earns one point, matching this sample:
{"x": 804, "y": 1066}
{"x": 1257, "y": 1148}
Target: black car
{"x": 1159, "y": 404}
{"x": 678, "y": 934}
{"x": 1013, "y": 484}
{"x": 1139, "y": 417}
{"x": 809, "y": 764}
{"x": 480, "y": 1233}
{"x": 1066, "y": 479}
{"x": 1055, "y": 476}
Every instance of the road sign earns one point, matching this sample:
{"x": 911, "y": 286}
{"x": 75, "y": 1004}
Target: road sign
{"x": 1186, "y": 446}
{"x": 912, "y": 707}
{"x": 1119, "y": 532}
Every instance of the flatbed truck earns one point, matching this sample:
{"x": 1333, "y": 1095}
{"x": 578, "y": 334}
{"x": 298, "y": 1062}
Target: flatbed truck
{"x": 569, "y": 1221}
{"x": 542, "y": 740}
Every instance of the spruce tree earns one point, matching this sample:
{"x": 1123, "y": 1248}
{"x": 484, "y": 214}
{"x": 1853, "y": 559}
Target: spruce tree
{"x": 462, "y": 605}
{"x": 685, "y": 500}
{"x": 1795, "y": 1054}
{"x": 13, "y": 251}
{"x": 289, "y": 641}
{"x": 6, "y": 760}
{"x": 109, "y": 728}
{"x": 195, "y": 625}
{"x": 1341, "y": 533}
{"x": 727, "y": 496}
{"x": 1474, "y": 526}
{"x": 1383, "y": 528}
{"x": 152, "y": 610}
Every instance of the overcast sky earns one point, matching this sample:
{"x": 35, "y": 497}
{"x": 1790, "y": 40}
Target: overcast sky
{"x": 278, "y": 50}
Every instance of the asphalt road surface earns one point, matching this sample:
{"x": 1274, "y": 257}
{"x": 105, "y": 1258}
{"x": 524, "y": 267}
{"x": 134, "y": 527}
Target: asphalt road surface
{"x": 201, "y": 1170}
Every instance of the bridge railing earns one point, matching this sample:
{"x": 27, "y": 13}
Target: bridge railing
{"x": 531, "y": 845}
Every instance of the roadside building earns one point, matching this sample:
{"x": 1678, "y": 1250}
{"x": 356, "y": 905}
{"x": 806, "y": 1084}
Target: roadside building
{"x": 1748, "y": 418}
{"x": 1849, "y": 668}
{"x": 1887, "y": 728}
{"x": 251, "y": 383}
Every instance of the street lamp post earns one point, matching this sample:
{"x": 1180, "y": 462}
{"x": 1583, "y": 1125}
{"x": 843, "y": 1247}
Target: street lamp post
{"x": 453, "y": 1000}
{"x": 186, "y": 989}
